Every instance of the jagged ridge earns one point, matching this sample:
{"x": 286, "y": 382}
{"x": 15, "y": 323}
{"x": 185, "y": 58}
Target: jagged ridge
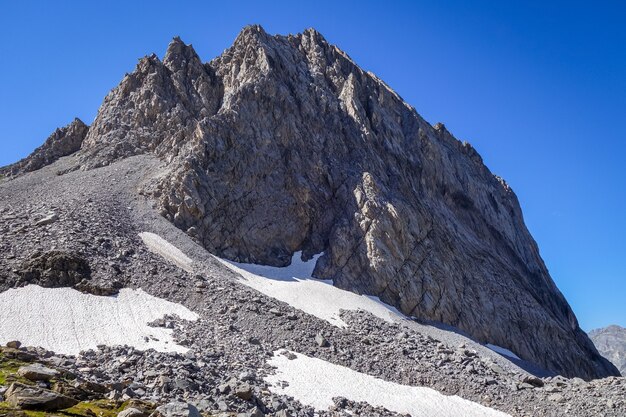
{"x": 62, "y": 142}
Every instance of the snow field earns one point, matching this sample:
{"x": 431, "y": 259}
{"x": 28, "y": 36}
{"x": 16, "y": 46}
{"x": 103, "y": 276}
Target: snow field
{"x": 315, "y": 382}
{"x": 293, "y": 285}
{"x": 160, "y": 246}
{"x": 67, "y": 321}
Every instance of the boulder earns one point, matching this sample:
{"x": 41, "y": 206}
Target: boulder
{"x": 176, "y": 409}
{"x": 131, "y": 412}
{"x": 34, "y": 398}
{"x": 14, "y": 344}
{"x": 37, "y": 372}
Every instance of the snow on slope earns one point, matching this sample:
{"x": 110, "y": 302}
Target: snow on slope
{"x": 293, "y": 285}
{"x": 502, "y": 351}
{"x": 164, "y": 248}
{"x": 315, "y": 382}
{"x": 67, "y": 321}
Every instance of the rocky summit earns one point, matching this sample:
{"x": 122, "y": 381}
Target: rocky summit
{"x": 199, "y": 184}
{"x": 611, "y": 343}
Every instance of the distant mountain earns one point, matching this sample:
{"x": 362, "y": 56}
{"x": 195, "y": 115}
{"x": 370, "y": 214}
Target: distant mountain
{"x": 611, "y": 343}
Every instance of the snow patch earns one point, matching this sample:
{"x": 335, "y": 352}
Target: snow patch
{"x": 502, "y": 351}
{"x": 315, "y": 382}
{"x": 162, "y": 247}
{"x": 293, "y": 285}
{"x": 67, "y": 321}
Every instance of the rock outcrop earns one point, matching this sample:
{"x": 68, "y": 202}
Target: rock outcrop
{"x": 611, "y": 343}
{"x": 283, "y": 144}
{"x": 55, "y": 269}
{"x": 64, "y": 141}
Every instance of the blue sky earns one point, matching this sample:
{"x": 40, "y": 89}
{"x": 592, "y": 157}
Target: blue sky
{"x": 539, "y": 89}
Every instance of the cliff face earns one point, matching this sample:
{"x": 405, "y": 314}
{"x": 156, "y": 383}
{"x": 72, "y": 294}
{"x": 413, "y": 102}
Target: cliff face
{"x": 611, "y": 343}
{"x": 284, "y": 144}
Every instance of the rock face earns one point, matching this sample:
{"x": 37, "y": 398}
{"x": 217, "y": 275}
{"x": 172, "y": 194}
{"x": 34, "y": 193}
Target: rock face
{"x": 64, "y": 141}
{"x": 283, "y": 144}
{"x": 611, "y": 343}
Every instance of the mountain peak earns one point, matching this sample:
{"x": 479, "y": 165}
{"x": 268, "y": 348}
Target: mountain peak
{"x": 251, "y": 33}
{"x": 179, "y": 54}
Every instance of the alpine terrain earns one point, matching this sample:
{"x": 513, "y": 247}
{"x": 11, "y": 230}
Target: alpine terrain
{"x": 611, "y": 343}
{"x": 276, "y": 232}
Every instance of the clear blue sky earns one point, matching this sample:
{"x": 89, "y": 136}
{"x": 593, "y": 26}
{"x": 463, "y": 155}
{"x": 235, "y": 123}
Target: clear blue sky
{"x": 539, "y": 90}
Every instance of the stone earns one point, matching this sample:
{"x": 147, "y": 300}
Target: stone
{"x": 49, "y": 219}
{"x": 255, "y": 412}
{"x": 243, "y": 391}
{"x": 34, "y": 398}
{"x": 276, "y": 312}
{"x": 321, "y": 341}
{"x": 14, "y": 344}
{"x": 534, "y": 381}
{"x": 176, "y": 409}
{"x": 557, "y": 398}
{"x": 37, "y": 372}
{"x": 131, "y": 412}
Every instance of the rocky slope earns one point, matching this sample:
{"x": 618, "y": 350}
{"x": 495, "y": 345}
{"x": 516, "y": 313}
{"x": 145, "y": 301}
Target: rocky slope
{"x": 290, "y": 128}
{"x": 239, "y": 329}
{"x": 611, "y": 343}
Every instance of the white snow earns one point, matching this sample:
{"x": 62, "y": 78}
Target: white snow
{"x": 315, "y": 382}
{"x": 293, "y": 285}
{"x": 168, "y": 251}
{"x": 502, "y": 351}
{"x": 67, "y": 321}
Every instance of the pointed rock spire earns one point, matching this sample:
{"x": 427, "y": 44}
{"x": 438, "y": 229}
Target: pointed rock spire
{"x": 179, "y": 54}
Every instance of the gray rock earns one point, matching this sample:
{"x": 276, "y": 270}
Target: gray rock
{"x": 14, "y": 344}
{"x": 49, "y": 219}
{"x": 176, "y": 409}
{"x": 557, "y": 398}
{"x": 321, "y": 341}
{"x": 37, "y": 372}
{"x": 131, "y": 412}
{"x": 34, "y": 398}
{"x": 243, "y": 391}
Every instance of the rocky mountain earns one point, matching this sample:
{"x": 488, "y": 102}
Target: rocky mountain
{"x": 611, "y": 343}
{"x": 290, "y": 128}
{"x": 166, "y": 256}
